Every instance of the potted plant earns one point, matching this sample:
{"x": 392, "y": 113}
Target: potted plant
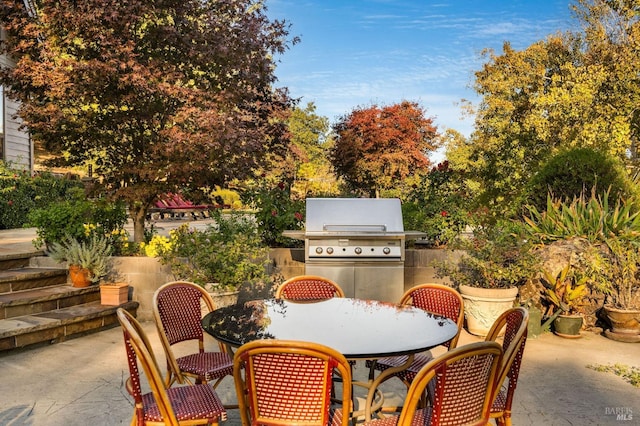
{"x": 221, "y": 257}
{"x": 609, "y": 233}
{"x": 565, "y": 293}
{"x": 622, "y": 308}
{"x": 88, "y": 260}
{"x": 494, "y": 263}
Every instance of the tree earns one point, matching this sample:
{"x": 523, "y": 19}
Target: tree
{"x": 377, "y": 146}
{"x": 576, "y": 89}
{"x": 310, "y": 139}
{"x": 163, "y": 95}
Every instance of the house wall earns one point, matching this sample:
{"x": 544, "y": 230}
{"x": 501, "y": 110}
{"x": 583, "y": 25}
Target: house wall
{"x": 16, "y": 146}
{"x": 18, "y": 149}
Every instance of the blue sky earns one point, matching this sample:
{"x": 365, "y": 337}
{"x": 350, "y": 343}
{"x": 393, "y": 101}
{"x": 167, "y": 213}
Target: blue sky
{"x": 361, "y": 52}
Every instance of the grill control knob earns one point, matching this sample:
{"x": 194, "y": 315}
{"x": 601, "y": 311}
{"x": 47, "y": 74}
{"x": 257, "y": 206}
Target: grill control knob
{"x": 318, "y": 250}
{"x": 357, "y": 250}
{"x": 386, "y": 250}
{"x": 329, "y": 250}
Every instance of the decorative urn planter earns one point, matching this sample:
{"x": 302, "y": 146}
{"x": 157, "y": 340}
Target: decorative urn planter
{"x": 482, "y": 306}
{"x": 568, "y": 326}
{"x": 625, "y": 324}
{"x": 114, "y": 294}
{"x": 80, "y": 277}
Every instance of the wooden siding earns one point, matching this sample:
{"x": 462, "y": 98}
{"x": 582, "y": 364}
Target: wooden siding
{"x": 17, "y": 148}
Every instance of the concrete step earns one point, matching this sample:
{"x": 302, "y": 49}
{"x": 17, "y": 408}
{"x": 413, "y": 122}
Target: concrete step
{"x": 12, "y": 260}
{"x": 29, "y": 278}
{"x": 59, "y": 324}
{"x": 29, "y": 302}
{"x": 37, "y": 306}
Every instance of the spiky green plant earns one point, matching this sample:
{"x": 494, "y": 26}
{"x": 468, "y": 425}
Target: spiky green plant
{"x": 591, "y": 218}
{"x": 92, "y": 254}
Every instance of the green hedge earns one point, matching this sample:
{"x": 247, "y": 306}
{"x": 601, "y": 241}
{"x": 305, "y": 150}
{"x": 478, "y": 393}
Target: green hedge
{"x": 20, "y": 193}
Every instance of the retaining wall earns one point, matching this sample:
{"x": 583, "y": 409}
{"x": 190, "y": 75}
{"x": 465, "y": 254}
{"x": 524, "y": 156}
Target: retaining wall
{"x": 146, "y": 274}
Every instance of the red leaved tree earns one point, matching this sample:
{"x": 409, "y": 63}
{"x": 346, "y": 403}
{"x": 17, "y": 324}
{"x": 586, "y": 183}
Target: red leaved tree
{"x": 377, "y": 146}
{"x": 163, "y": 95}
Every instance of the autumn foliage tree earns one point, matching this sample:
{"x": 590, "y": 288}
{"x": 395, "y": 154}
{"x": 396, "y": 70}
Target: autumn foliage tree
{"x": 577, "y": 89}
{"x": 163, "y": 95}
{"x": 376, "y": 147}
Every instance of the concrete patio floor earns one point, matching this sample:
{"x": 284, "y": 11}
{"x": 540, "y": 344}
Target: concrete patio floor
{"x": 81, "y": 382}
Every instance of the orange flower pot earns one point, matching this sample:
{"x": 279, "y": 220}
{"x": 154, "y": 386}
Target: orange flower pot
{"x": 80, "y": 277}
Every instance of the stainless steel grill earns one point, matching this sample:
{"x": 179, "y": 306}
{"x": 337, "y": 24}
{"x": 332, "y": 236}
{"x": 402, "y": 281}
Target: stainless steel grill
{"x": 359, "y": 243}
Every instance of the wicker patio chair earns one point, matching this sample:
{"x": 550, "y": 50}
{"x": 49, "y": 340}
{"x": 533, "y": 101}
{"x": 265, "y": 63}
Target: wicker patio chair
{"x": 284, "y": 382}
{"x": 184, "y": 405}
{"x": 177, "y": 308}
{"x": 515, "y": 323}
{"x": 464, "y": 378}
{"x": 309, "y": 288}
{"x": 438, "y": 299}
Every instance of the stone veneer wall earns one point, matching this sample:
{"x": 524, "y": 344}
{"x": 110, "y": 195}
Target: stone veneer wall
{"x": 146, "y": 274}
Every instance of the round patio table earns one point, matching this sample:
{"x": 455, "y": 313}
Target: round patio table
{"x": 359, "y": 329}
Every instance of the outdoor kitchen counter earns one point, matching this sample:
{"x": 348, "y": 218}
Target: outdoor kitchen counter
{"x": 359, "y": 329}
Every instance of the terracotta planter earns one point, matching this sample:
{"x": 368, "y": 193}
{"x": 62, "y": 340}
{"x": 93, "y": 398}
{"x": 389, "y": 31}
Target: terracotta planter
{"x": 568, "y": 326}
{"x": 80, "y": 277}
{"x": 482, "y": 306}
{"x": 114, "y": 294}
{"x": 625, "y": 324}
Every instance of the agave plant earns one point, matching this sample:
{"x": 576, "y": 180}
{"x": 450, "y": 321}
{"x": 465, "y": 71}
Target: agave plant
{"x": 591, "y": 218}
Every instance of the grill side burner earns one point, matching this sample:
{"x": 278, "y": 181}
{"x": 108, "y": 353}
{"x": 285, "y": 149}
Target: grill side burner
{"x": 359, "y": 243}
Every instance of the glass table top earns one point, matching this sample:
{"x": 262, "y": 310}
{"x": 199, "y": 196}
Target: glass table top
{"x": 356, "y": 328}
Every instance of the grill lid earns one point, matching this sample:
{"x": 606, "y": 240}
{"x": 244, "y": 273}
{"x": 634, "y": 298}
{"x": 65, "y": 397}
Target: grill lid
{"x": 353, "y": 216}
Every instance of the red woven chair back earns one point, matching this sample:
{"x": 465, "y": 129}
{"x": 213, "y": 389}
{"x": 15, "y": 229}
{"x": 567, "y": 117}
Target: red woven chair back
{"x": 178, "y": 308}
{"x": 308, "y": 287}
{"x": 289, "y": 382}
{"x": 464, "y": 382}
{"x": 439, "y": 299}
{"x": 138, "y": 348}
{"x": 515, "y": 323}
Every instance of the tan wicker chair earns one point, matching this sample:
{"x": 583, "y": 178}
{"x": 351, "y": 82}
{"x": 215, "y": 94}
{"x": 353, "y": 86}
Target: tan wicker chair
{"x": 177, "y": 308}
{"x": 308, "y": 287}
{"x": 184, "y": 405}
{"x": 464, "y": 380}
{"x": 283, "y": 382}
{"x": 515, "y": 322}
{"x": 438, "y": 299}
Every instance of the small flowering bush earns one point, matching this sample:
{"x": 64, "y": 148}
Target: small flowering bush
{"x": 156, "y": 246}
{"x": 438, "y": 206}
{"x": 81, "y": 219}
{"x": 275, "y": 212}
{"x": 227, "y": 254}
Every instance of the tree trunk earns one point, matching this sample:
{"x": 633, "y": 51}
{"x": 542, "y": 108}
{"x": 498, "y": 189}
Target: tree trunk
{"x": 138, "y": 214}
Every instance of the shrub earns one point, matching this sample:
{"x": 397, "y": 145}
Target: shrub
{"x": 21, "y": 193}
{"x": 495, "y": 257}
{"x": 275, "y": 212}
{"x": 79, "y": 219}
{"x": 611, "y": 263}
{"x": 226, "y": 198}
{"x": 438, "y": 206}
{"x": 228, "y": 253}
{"x": 593, "y": 218}
{"x": 571, "y": 173}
